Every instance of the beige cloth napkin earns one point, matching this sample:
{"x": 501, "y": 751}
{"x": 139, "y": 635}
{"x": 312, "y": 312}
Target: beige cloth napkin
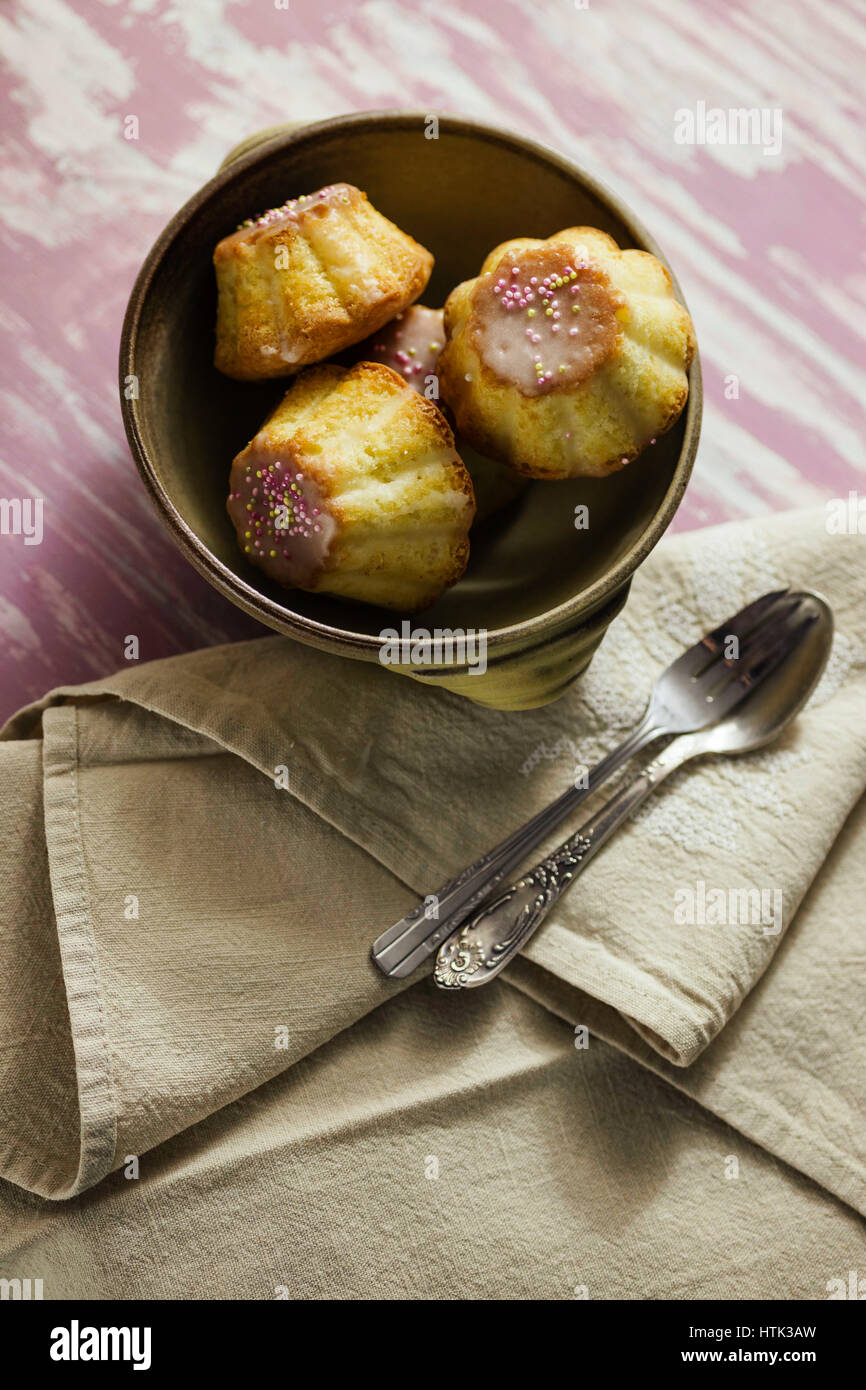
{"x": 204, "y": 928}
{"x": 468, "y": 1153}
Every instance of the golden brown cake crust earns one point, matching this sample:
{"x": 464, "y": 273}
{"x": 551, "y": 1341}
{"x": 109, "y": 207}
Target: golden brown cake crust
{"x": 411, "y": 345}
{"x": 379, "y": 501}
{"x": 309, "y": 279}
{"x": 530, "y": 388}
{"x": 459, "y": 482}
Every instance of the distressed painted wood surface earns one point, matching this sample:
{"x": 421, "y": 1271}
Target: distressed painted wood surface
{"x": 767, "y": 239}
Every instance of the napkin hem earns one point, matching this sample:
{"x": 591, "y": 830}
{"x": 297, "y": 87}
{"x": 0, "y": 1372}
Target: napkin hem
{"x": 78, "y": 954}
{"x": 654, "y": 1013}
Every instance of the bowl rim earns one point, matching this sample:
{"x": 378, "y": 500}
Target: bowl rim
{"x": 269, "y": 611}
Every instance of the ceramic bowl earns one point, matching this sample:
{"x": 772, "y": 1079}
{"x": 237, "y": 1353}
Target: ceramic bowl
{"x": 542, "y": 591}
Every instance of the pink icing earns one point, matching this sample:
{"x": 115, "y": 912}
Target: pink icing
{"x": 280, "y": 515}
{"x": 544, "y": 318}
{"x": 332, "y": 195}
{"x": 410, "y": 344}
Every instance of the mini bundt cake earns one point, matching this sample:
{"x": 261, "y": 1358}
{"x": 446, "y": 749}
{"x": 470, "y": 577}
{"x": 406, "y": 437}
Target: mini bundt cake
{"x": 353, "y": 487}
{"x": 308, "y": 279}
{"x": 411, "y": 345}
{"x": 566, "y": 357}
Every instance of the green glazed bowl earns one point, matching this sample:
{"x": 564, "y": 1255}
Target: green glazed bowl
{"x": 541, "y": 590}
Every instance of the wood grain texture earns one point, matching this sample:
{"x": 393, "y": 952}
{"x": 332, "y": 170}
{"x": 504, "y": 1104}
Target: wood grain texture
{"x": 767, "y": 245}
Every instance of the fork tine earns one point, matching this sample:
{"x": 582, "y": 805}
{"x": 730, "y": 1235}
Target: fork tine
{"x": 706, "y": 654}
{"x": 761, "y": 655}
{"x": 763, "y": 661}
{"x": 742, "y": 624}
{"x": 768, "y": 637}
{"x": 724, "y": 668}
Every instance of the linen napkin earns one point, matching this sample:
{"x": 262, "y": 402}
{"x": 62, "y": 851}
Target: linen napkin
{"x": 198, "y": 853}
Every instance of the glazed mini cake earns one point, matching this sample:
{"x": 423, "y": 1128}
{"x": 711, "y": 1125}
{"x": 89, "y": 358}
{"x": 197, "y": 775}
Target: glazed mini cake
{"x": 410, "y": 345}
{"x": 566, "y": 357}
{"x": 354, "y": 487}
{"x": 308, "y": 279}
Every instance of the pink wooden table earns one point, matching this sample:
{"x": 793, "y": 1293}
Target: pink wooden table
{"x": 767, "y": 239}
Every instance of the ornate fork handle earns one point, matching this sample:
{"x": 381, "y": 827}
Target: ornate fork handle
{"x": 477, "y": 952}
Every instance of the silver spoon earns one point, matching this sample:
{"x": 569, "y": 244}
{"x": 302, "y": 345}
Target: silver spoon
{"x": 781, "y": 680}
{"x": 697, "y": 689}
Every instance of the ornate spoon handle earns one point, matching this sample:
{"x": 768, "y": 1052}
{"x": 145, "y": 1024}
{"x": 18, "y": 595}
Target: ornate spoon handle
{"x": 477, "y": 952}
{"x": 404, "y": 946}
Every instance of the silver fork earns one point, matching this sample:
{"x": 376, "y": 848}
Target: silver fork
{"x": 778, "y": 674}
{"x": 695, "y": 691}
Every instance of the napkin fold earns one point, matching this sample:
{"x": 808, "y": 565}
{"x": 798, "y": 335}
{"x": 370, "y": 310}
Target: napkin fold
{"x": 198, "y": 852}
